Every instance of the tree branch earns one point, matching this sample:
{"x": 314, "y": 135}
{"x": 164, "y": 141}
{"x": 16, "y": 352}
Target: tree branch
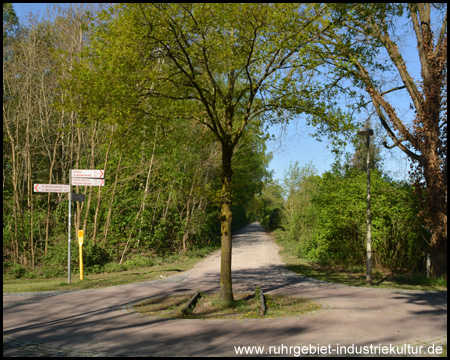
{"x": 441, "y": 37}
{"x": 398, "y": 61}
{"x": 379, "y": 103}
{"x": 218, "y": 129}
{"x": 393, "y": 145}
{"x": 394, "y": 89}
{"x": 421, "y": 37}
{"x": 396, "y": 141}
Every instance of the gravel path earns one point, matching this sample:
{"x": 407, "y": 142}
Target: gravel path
{"x": 101, "y": 322}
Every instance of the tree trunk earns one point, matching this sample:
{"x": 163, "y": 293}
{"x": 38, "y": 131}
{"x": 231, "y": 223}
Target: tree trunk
{"x": 141, "y": 208}
{"x": 436, "y": 204}
{"x": 14, "y": 180}
{"x": 50, "y": 181}
{"x": 77, "y": 166}
{"x": 147, "y": 182}
{"x": 226, "y": 219}
{"x": 97, "y": 209}
{"x": 108, "y": 217}
{"x": 92, "y": 166}
{"x": 30, "y": 190}
{"x": 439, "y": 255}
{"x": 186, "y": 220}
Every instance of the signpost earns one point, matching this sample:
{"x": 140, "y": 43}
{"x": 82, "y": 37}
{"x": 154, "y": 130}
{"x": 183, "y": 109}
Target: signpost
{"x": 77, "y": 178}
{"x": 70, "y": 223}
{"x": 82, "y": 178}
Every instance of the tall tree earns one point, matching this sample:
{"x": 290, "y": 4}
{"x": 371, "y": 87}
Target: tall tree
{"x": 352, "y": 52}
{"x": 221, "y": 65}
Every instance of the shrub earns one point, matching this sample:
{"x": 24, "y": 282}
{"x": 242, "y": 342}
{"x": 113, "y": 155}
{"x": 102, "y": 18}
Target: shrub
{"x": 327, "y": 221}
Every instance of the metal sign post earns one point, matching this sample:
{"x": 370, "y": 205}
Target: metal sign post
{"x": 78, "y": 178}
{"x": 83, "y": 178}
{"x": 70, "y": 222}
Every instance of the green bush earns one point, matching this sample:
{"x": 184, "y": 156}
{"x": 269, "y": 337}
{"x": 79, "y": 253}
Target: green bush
{"x": 276, "y": 218}
{"x": 326, "y": 219}
{"x": 15, "y": 271}
{"x": 94, "y": 257}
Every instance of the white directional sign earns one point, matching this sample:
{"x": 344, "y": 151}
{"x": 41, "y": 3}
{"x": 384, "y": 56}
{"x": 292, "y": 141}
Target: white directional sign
{"x": 56, "y": 188}
{"x": 88, "y": 174}
{"x": 77, "y": 178}
{"x": 88, "y": 182}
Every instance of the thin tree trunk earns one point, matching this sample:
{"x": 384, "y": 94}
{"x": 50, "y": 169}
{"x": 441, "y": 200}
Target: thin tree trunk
{"x": 166, "y": 210}
{"x": 15, "y": 186}
{"x": 148, "y": 180}
{"x": 88, "y": 204}
{"x": 30, "y": 189}
{"x": 156, "y": 207}
{"x": 141, "y": 208}
{"x": 52, "y": 164}
{"x": 97, "y": 209}
{"x": 188, "y": 210}
{"x": 77, "y": 166}
{"x": 108, "y": 218}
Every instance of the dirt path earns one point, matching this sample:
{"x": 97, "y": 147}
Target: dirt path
{"x": 99, "y": 322}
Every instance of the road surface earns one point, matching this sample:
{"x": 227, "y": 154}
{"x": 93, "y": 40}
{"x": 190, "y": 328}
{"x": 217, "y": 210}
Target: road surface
{"x": 102, "y": 323}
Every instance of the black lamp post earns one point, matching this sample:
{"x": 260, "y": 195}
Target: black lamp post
{"x": 368, "y": 132}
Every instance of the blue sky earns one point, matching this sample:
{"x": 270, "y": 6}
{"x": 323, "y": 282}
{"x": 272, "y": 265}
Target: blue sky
{"x": 296, "y": 144}
{"x": 22, "y": 10}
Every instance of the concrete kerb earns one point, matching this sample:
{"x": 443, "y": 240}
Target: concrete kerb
{"x": 129, "y": 309}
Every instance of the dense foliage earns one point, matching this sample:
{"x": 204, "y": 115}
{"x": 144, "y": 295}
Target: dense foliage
{"x": 162, "y": 178}
{"x": 372, "y": 31}
{"x": 171, "y": 101}
{"x": 325, "y": 219}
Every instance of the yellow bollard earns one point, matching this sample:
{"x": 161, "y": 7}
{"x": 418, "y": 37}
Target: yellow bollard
{"x": 80, "y": 243}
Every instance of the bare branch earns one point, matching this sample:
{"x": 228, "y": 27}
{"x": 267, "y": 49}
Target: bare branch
{"x": 393, "y": 145}
{"x": 392, "y": 90}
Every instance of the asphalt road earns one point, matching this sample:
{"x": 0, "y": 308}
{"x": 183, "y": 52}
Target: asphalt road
{"x": 102, "y": 323}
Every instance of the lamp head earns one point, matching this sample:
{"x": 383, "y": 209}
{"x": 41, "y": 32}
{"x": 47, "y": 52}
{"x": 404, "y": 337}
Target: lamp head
{"x": 365, "y": 131}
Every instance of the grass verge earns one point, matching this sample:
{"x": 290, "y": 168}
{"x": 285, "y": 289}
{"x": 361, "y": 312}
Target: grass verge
{"x": 356, "y": 276}
{"x": 164, "y": 269}
{"x": 245, "y": 306}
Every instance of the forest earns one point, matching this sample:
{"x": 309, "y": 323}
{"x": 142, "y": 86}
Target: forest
{"x": 162, "y": 190}
{"x": 323, "y": 219}
{"x": 173, "y": 104}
